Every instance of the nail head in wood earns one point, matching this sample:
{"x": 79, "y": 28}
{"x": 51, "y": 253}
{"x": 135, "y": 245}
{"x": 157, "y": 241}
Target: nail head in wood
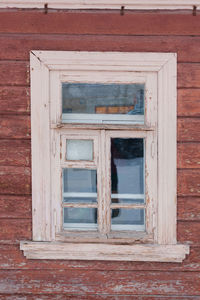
{"x": 46, "y": 8}
{"x": 122, "y": 11}
{"x": 194, "y": 10}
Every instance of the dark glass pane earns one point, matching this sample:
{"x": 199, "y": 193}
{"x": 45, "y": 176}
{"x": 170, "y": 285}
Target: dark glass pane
{"x": 79, "y": 185}
{"x": 97, "y": 98}
{"x": 127, "y": 219}
{"x": 127, "y": 170}
{"x": 80, "y": 218}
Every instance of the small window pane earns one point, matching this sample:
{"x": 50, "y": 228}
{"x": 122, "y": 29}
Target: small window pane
{"x": 79, "y": 149}
{"x": 127, "y": 219}
{"x": 127, "y": 170}
{"x": 79, "y": 185}
{"x": 80, "y": 218}
{"x": 103, "y": 102}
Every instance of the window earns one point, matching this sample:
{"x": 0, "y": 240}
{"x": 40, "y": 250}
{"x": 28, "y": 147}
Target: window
{"x": 104, "y": 156}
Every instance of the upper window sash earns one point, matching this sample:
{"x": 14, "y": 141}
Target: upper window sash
{"x": 149, "y": 79}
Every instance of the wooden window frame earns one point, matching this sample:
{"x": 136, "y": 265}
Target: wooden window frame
{"x": 47, "y": 71}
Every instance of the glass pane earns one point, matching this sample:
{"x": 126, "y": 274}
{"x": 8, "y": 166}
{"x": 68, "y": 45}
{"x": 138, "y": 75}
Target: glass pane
{"x": 79, "y": 185}
{"x": 80, "y": 218}
{"x": 101, "y": 100}
{"x": 79, "y": 149}
{"x": 127, "y": 170}
{"x": 127, "y": 219}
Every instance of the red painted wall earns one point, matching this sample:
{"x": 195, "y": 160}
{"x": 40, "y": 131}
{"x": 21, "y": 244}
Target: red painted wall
{"x": 22, "y": 31}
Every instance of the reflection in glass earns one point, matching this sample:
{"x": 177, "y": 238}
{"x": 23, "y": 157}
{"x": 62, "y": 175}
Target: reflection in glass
{"x": 80, "y": 218}
{"x": 79, "y": 185}
{"x": 99, "y": 98}
{"x": 127, "y": 170}
{"x": 79, "y": 149}
{"x": 128, "y": 219}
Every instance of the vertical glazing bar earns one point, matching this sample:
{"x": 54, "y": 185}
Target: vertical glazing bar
{"x": 103, "y": 210}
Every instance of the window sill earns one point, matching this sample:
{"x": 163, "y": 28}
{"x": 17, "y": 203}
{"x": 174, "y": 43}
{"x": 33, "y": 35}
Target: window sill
{"x": 55, "y": 250}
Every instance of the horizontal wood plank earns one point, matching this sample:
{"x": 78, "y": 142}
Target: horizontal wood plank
{"x": 188, "y": 232}
{"x": 188, "y": 182}
{"x": 189, "y": 208}
{"x": 188, "y": 130}
{"x": 185, "y": 46}
{"x": 189, "y": 102}
{"x": 15, "y": 153}
{"x": 15, "y": 206}
{"x": 15, "y": 180}
{"x": 85, "y": 282}
{"x": 93, "y": 297}
{"x": 188, "y": 155}
{"x": 14, "y": 73}
{"x": 99, "y": 23}
{"x": 15, "y": 127}
{"x": 14, "y": 99}
{"x": 188, "y": 75}
{"x": 15, "y": 230}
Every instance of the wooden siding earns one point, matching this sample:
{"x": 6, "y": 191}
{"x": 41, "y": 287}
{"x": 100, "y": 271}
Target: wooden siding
{"x": 22, "y": 31}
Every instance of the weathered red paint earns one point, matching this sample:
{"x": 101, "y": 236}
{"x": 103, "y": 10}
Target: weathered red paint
{"x": 100, "y": 23}
{"x": 22, "y": 31}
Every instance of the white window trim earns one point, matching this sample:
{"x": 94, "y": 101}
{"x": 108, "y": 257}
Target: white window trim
{"x": 103, "y": 4}
{"x": 44, "y": 143}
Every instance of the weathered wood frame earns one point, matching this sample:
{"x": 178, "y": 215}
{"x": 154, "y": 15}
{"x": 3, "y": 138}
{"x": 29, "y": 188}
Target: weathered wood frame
{"x": 46, "y": 123}
{"x": 102, "y": 4}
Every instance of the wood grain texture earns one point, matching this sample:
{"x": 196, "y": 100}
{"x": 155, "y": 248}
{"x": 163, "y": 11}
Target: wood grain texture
{"x": 14, "y": 73}
{"x": 17, "y": 46}
{"x": 94, "y": 297}
{"x": 15, "y": 180}
{"x": 189, "y": 102}
{"x": 188, "y": 155}
{"x": 188, "y": 75}
{"x": 15, "y": 206}
{"x": 188, "y": 182}
{"x": 14, "y": 230}
{"x": 15, "y": 153}
{"x": 14, "y": 100}
{"x": 188, "y": 130}
{"x": 81, "y": 283}
{"x": 189, "y": 208}
{"x": 15, "y": 127}
{"x": 99, "y": 23}
{"x": 188, "y": 232}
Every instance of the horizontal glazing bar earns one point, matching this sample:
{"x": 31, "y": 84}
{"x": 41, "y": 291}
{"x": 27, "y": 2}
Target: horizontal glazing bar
{"x": 83, "y": 227}
{"x": 84, "y": 205}
{"x": 128, "y": 196}
{"x": 128, "y": 227}
{"x": 121, "y": 205}
{"x": 80, "y": 195}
